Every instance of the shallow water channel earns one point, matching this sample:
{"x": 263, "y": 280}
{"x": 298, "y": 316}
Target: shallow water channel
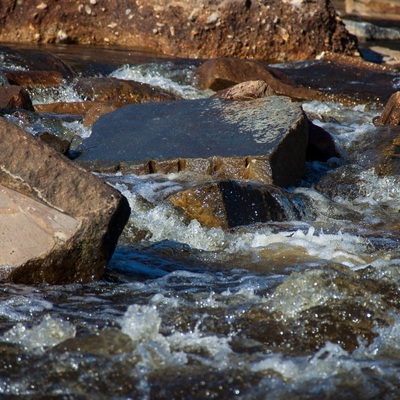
{"x": 293, "y": 310}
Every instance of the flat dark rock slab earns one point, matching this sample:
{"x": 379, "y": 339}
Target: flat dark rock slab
{"x": 263, "y": 139}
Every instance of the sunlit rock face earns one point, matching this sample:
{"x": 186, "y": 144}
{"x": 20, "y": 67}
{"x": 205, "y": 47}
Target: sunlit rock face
{"x": 59, "y": 223}
{"x": 273, "y": 30}
{"x": 263, "y": 140}
{"x": 228, "y": 204}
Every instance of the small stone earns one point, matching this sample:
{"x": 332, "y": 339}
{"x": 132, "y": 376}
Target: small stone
{"x": 41, "y": 6}
{"x": 213, "y": 18}
{"x": 93, "y": 2}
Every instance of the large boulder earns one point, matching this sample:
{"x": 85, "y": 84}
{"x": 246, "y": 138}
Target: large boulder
{"x": 263, "y": 139}
{"x": 60, "y": 224}
{"x": 273, "y": 30}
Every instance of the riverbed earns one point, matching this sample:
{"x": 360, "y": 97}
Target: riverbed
{"x": 302, "y": 309}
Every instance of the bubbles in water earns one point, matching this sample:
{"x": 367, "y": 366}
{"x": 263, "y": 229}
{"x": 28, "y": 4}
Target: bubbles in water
{"x": 166, "y": 76}
{"x": 47, "y": 334}
{"x": 46, "y": 95}
{"x": 141, "y": 323}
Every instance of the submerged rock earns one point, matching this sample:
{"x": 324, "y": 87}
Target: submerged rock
{"x": 273, "y": 30}
{"x": 263, "y": 139}
{"x": 228, "y": 204}
{"x": 61, "y": 223}
{"x": 31, "y": 63}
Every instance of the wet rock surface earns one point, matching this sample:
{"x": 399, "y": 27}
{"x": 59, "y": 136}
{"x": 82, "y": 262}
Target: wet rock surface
{"x": 228, "y": 204}
{"x": 263, "y": 139}
{"x": 347, "y": 80}
{"x": 78, "y": 220}
{"x": 12, "y": 97}
{"x": 120, "y": 92}
{"x": 246, "y": 29}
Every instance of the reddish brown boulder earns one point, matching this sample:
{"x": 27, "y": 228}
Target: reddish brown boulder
{"x": 245, "y": 91}
{"x": 228, "y": 203}
{"x": 73, "y": 107}
{"x": 391, "y": 112}
{"x": 221, "y": 73}
{"x": 120, "y": 92}
{"x": 91, "y": 110}
{"x": 70, "y": 218}
{"x": 34, "y": 78}
{"x": 12, "y": 97}
{"x": 347, "y": 80}
{"x": 273, "y": 30}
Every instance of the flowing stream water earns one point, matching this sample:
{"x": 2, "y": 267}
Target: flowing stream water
{"x": 292, "y": 310}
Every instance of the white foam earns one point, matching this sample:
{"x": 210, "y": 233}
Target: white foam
{"x": 64, "y": 93}
{"x": 165, "y": 76}
{"x": 141, "y": 323}
{"x": 48, "y": 333}
{"x": 78, "y": 128}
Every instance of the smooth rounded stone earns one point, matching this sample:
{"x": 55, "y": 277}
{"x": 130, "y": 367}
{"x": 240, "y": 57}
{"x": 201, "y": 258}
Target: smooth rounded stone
{"x": 263, "y": 139}
{"x": 82, "y": 215}
{"x": 29, "y": 229}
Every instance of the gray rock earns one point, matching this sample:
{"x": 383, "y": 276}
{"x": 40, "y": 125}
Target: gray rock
{"x": 59, "y": 223}
{"x": 367, "y": 31}
{"x": 263, "y": 139}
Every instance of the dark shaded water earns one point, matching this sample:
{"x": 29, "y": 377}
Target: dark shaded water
{"x": 302, "y": 310}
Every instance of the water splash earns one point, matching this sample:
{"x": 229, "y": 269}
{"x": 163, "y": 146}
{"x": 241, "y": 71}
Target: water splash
{"x": 166, "y": 76}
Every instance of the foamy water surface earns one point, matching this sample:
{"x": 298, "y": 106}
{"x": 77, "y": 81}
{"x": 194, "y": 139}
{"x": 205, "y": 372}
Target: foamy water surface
{"x": 292, "y": 310}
